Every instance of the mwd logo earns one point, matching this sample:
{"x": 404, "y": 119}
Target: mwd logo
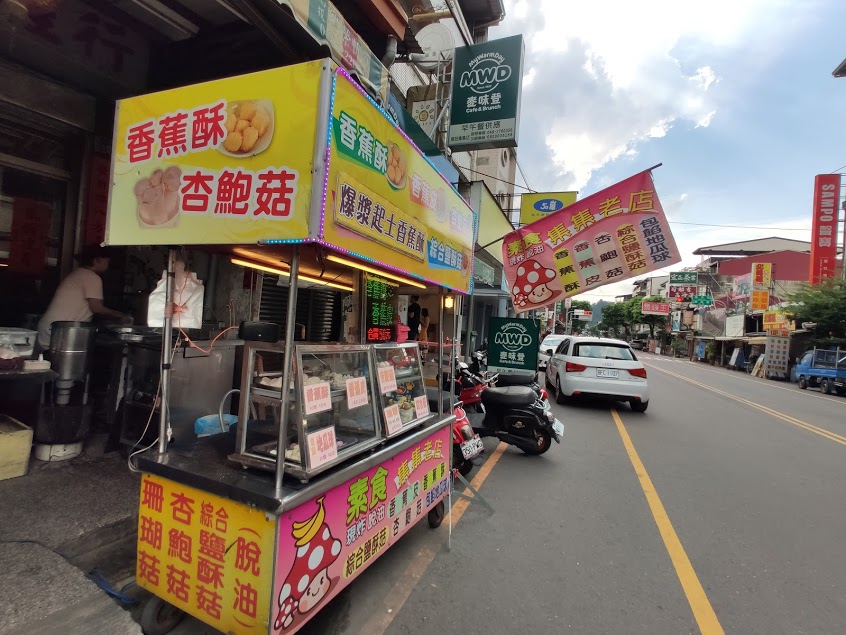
{"x": 487, "y": 72}
{"x": 513, "y": 337}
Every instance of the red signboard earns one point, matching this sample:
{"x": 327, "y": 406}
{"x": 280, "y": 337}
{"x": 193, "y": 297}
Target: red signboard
{"x": 99, "y": 179}
{"x": 30, "y": 233}
{"x": 824, "y": 227}
{"x": 655, "y": 308}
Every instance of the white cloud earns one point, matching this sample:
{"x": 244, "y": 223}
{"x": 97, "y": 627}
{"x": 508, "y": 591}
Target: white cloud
{"x": 605, "y": 77}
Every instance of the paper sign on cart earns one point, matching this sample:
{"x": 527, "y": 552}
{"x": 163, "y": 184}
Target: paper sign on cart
{"x": 421, "y": 406}
{"x": 387, "y": 379}
{"x": 356, "y": 392}
{"x": 322, "y": 447}
{"x": 392, "y": 419}
{"x": 318, "y": 397}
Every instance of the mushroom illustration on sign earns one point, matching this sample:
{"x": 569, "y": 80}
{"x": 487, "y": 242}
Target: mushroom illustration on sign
{"x": 534, "y": 284}
{"x": 308, "y": 581}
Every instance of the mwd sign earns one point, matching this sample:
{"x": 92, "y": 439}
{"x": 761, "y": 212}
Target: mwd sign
{"x": 486, "y": 85}
{"x": 513, "y": 345}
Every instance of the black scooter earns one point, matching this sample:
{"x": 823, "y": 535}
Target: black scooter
{"x": 518, "y": 416}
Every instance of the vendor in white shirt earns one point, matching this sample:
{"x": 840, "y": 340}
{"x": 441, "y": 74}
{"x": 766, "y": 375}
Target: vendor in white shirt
{"x": 80, "y": 296}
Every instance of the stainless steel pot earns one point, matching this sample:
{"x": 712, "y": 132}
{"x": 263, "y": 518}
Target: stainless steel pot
{"x": 71, "y": 344}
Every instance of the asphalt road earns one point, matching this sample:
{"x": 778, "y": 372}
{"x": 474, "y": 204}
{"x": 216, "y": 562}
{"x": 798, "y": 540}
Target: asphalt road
{"x": 720, "y": 509}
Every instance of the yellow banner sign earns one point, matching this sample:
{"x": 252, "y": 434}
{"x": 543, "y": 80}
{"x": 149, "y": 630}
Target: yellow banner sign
{"x": 387, "y": 203}
{"x": 760, "y": 300}
{"x": 207, "y": 555}
{"x": 762, "y": 274}
{"x": 538, "y": 205}
{"x": 224, "y": 162}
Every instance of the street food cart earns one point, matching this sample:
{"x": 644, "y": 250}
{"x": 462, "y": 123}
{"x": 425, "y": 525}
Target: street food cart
{"x": 294, "y": 172}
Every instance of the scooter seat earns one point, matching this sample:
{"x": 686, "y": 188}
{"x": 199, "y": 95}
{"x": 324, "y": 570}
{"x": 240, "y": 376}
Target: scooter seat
{"x": 509, "y": 396}
{"x": 516, "y": 379}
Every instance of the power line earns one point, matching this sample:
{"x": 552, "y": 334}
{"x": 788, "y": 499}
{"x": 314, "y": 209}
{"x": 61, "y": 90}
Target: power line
{"x": 496, "y": 178}
{"x": 523, "y": 174}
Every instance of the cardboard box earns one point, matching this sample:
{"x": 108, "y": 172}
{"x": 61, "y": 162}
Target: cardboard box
{"x": 15, "y": 446}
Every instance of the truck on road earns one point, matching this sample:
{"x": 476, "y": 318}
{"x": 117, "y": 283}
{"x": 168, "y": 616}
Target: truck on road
{"x": 825, "y": 368}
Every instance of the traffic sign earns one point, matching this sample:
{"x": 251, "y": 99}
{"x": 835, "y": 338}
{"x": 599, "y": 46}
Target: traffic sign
{"x": 702, "y": 300}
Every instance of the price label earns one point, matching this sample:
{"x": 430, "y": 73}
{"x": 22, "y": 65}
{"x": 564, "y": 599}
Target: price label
{"x": 393, "y": 422}
{"x": 421, "y": 406}
{"x": 356, "y": 392}
{"x": 318, "y": 397}
{"x": 322, "y": 446}
{"x": 387, "y": 379}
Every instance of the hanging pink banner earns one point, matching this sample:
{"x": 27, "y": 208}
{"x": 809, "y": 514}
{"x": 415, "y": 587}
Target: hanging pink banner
{"x": 618, "y": 233}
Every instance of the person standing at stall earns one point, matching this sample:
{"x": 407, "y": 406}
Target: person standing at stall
{"x": 413, "y": 318}
{"x": 79, "y": 296}
{"x": 425, "y": 321}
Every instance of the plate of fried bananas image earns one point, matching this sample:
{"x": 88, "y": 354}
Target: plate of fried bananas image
{"x": 249, "y": 127}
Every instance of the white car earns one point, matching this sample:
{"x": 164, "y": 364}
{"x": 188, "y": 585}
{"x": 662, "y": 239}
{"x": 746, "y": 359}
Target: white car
{"x": 598, "y": 367}
{"x": 550, "y": 343}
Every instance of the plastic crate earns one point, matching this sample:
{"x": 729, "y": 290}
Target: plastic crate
{"x": 15, "y": 447}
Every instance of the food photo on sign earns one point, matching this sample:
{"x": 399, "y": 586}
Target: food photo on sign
{"x": 615, "y": 234}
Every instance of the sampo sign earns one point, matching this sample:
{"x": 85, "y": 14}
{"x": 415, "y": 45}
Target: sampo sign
{"x": 824, "y": 227}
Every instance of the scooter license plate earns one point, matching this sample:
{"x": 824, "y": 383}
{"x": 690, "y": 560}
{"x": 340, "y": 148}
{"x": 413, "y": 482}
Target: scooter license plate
{"x": 558, "y": 427}
{"x": 472, "y": 448}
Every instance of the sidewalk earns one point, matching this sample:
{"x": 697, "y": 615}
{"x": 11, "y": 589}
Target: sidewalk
{"x": 57, "y": 523}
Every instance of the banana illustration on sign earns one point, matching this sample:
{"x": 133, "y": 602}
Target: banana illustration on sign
{"x": 305, "y": 530}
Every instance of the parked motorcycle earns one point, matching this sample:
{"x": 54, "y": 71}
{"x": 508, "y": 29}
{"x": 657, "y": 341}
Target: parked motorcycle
{"x": 472, "y": 386}
{"x": 467, "y": 446}
{"x": 479, "y": 362}
{"x": 519, "y": 417}
{"x": 527, "y": 378}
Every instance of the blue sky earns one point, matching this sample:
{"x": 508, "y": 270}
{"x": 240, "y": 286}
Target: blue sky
{"x": 734, "y": 97}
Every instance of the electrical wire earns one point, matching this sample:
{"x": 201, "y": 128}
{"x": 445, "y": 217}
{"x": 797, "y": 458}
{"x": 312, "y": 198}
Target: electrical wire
{"x": 523, "y": 174}
{"x": 496, "y": 178}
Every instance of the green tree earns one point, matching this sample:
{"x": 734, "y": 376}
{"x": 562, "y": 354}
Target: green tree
{"x": 633, "y": 307}
{"x": 577, "y": 325}
{"x": 825, "y": 305}
{"x": 615, "y": 318}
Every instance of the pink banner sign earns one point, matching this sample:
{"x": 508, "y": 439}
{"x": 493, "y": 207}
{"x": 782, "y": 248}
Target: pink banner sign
{"x": 655, "y": 308}
{"x": 618, "y": 233}
{"x": 325, "y": 543}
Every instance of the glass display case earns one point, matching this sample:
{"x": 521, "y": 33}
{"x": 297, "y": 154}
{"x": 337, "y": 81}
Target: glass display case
{"x": 399, "y": 381}
{"x": 331, "y": 410}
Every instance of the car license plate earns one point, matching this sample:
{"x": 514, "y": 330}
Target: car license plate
{"x": 606, "y": 372}
{"x": 472, "y": 448}
{"x": 558, "y": 427}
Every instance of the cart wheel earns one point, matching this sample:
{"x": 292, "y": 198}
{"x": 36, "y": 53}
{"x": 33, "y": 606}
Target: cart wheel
{"x": 159, "y": 617}
{"x": 436, "y": 515}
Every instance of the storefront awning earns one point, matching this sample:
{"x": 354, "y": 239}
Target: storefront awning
{"x": 757, "y": 340}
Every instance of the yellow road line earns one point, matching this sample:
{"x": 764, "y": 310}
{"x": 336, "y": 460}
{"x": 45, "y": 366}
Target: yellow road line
{"x": 768, "y": 384}
{"x": 828, "y": 434}
{"x": 703, "y": 612}
{"x": 400, "y": 592}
